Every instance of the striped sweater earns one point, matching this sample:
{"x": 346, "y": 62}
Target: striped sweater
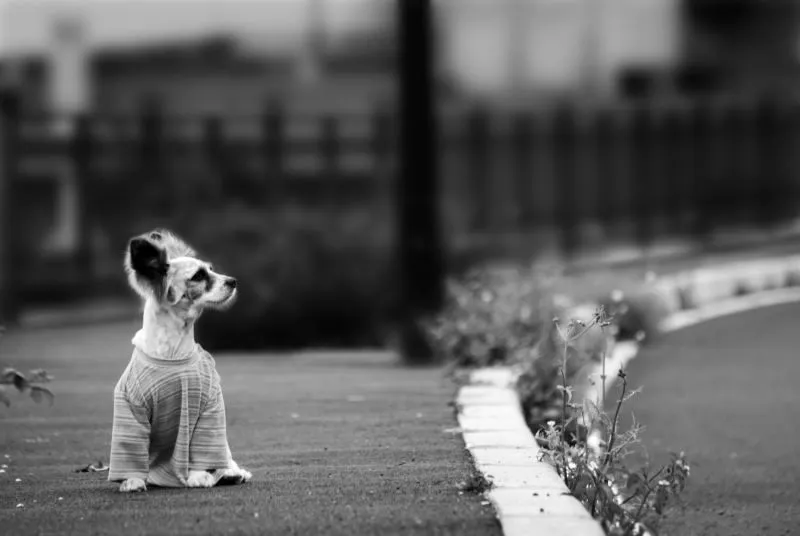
{"x": 169, "y": 417}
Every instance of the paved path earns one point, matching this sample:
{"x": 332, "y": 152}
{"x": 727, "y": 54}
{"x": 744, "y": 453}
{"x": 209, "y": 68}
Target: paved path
{"x": 338, "y": 444}
{"x": 727, "y": 392}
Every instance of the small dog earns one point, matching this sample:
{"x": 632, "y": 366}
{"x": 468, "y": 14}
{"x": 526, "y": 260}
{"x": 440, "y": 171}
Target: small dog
{"x": 169, "y": 415}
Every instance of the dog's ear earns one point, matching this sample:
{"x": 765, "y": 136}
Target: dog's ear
{"x": 147, "y": 265}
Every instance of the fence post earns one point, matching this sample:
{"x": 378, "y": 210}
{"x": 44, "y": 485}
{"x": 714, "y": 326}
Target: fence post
{"x": 82, "y": 149}
{"x": 701, "y": 133}
{"x": 330, "y": 150}
{"x": 522, "y": 147}
{"x": 477, "y": 157}
{"x": 641, "y": 179}
{"x": 565, "y": 138}
{"x": 671, "y": 167}
{"x": 769, "y": 159}
{"x": 272, "y": 132}
{"x": 605, "y": 163}
{"x": 381, "y": 144}
{"x": 383, "y": 165}
{"x": 212, "y": 140}
{"x": 9, "y": 154}
{"x": 151, "y": 138}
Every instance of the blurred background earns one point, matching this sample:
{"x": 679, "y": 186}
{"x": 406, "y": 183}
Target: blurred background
{"x": 264, "y": 133}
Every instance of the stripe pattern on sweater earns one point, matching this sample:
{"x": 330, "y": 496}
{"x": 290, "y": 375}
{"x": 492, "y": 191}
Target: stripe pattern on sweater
{"x": 169, "y": 417}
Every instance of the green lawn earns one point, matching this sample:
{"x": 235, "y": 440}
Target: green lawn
{"x": 338, "y": 444}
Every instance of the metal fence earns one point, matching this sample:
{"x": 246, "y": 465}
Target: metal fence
{"x": 639, "y": 171}
{"x": 684, "y": 169}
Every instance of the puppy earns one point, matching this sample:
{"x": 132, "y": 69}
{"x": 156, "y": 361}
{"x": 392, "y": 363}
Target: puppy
{"x": 169, "y": 415}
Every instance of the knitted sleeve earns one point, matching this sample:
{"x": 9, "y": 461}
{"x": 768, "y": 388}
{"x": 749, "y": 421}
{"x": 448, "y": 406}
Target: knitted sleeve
{"x": 209, "y": 446}
{"x": 130, "y": 435}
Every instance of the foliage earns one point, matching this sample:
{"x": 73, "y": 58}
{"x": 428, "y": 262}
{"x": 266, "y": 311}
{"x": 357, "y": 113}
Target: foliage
{"x": 26, "y": 384}
{"x": 491, "y": 317}
{"x": 626, "y": 501}
{"x": 540, "y": 384}
{"x": 510, "y": 317}
{"x": 30, "y": 384}
{"x": 306, "y": 278}
{"x": 636, "y": 315}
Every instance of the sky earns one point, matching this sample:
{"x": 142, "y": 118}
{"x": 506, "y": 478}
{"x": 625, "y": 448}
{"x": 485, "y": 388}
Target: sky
{"x": 25, "y": 24}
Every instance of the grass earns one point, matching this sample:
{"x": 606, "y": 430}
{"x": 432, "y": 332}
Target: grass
{"x": 338, "y": 444}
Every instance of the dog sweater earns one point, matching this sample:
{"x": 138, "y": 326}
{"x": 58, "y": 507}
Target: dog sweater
{"x": 169, "y": 417}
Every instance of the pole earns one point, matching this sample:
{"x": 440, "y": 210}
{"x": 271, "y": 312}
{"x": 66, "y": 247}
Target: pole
{"x": 9, "y": 117}
{"x": 418, "y": 242}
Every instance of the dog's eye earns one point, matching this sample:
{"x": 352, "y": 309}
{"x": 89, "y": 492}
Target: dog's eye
{"x": 199, "y": 275}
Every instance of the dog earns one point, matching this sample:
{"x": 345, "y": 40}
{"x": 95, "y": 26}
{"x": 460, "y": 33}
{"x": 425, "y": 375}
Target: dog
{"x": 169, "y": 425}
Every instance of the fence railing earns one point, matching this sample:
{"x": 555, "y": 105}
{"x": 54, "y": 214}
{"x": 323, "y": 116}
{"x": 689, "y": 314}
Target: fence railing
{"x": 638, "y": 172}
{"x": 684, "y": 169}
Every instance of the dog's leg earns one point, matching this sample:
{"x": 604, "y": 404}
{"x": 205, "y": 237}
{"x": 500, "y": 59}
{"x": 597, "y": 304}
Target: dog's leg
{"x": 210, "y": 447}
{"x": 130, "y": 440}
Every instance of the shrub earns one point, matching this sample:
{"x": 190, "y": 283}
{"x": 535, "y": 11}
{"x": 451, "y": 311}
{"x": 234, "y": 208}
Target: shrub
{"x": 25, "y": 384}
{"x": 510, "y": 317}
{"x": 307, "y": 279}
{"x": 626, "y": 501}
{"x": 636, "y": 314}
{"x": 30, "y": 384}
{"x": 491, "y": 317}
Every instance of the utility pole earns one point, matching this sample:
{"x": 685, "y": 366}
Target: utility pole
{"x": 419, "y": 245}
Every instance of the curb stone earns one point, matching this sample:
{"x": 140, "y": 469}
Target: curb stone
{"x": 528, "y": 495}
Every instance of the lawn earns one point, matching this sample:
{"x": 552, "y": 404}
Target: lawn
{"x": 344, "y": 443}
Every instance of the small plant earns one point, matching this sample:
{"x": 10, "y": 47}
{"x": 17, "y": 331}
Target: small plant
{"x": 637, "y": 314}
{"x": 476, "y": 484}
{"x": 26, "y": 384}
{"x": 30, "y": 384}
{"x": 626, "y": 502}
{"x": 491, "y": 318}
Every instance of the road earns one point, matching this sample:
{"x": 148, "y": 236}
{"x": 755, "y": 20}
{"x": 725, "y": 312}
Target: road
{"x": 727, "y": 392}
{"x": 339, "y": 444}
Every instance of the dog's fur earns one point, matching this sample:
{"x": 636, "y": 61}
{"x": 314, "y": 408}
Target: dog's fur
{"x": 176, "y": 287}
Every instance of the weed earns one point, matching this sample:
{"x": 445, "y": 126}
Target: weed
{"x": 30, "y": 384}
{"x": 625, "y": 501}
{"x": 476, "y": 484}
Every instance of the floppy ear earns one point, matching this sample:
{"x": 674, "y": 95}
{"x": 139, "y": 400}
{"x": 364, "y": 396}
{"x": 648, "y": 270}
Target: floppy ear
{"x": 147, "y": 266}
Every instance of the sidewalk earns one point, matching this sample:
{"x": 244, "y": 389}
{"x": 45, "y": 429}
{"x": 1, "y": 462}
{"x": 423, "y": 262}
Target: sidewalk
{"x": 587, "y": 280}
{"x": 344, "y": 443}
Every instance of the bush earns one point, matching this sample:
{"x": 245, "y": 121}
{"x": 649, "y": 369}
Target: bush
{"x": 491, "y": 317}
{"x": 306, "y": 279}
{"x": 30, "y": 384}
{"x": 509, "y": 317}
{"x": 636, "y": 314}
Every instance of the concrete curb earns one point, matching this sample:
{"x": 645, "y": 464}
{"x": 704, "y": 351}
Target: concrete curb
{"x": 528, "y": 495}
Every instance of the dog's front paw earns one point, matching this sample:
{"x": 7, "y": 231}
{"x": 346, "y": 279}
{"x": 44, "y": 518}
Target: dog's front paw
{"x": 234, "y": 475}
{"x": 132, "y": 485}
{"x": 200, "y": 479}
{"x": 246, "y": 475}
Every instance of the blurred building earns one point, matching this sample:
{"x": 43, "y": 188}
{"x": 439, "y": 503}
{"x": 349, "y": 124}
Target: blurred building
{"x": 612, "y": 49}
{"x": 215, "y": 75}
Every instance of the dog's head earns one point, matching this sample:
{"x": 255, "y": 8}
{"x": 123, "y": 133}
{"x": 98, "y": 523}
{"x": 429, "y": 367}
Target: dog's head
{"x": 162, "y": 267}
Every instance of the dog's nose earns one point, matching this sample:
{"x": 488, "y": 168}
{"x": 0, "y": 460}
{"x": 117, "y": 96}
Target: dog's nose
{"x": 231, "y": 282}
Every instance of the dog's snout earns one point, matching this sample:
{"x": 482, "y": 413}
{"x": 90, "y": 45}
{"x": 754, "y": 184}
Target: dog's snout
{"x": 231, "y": 282}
